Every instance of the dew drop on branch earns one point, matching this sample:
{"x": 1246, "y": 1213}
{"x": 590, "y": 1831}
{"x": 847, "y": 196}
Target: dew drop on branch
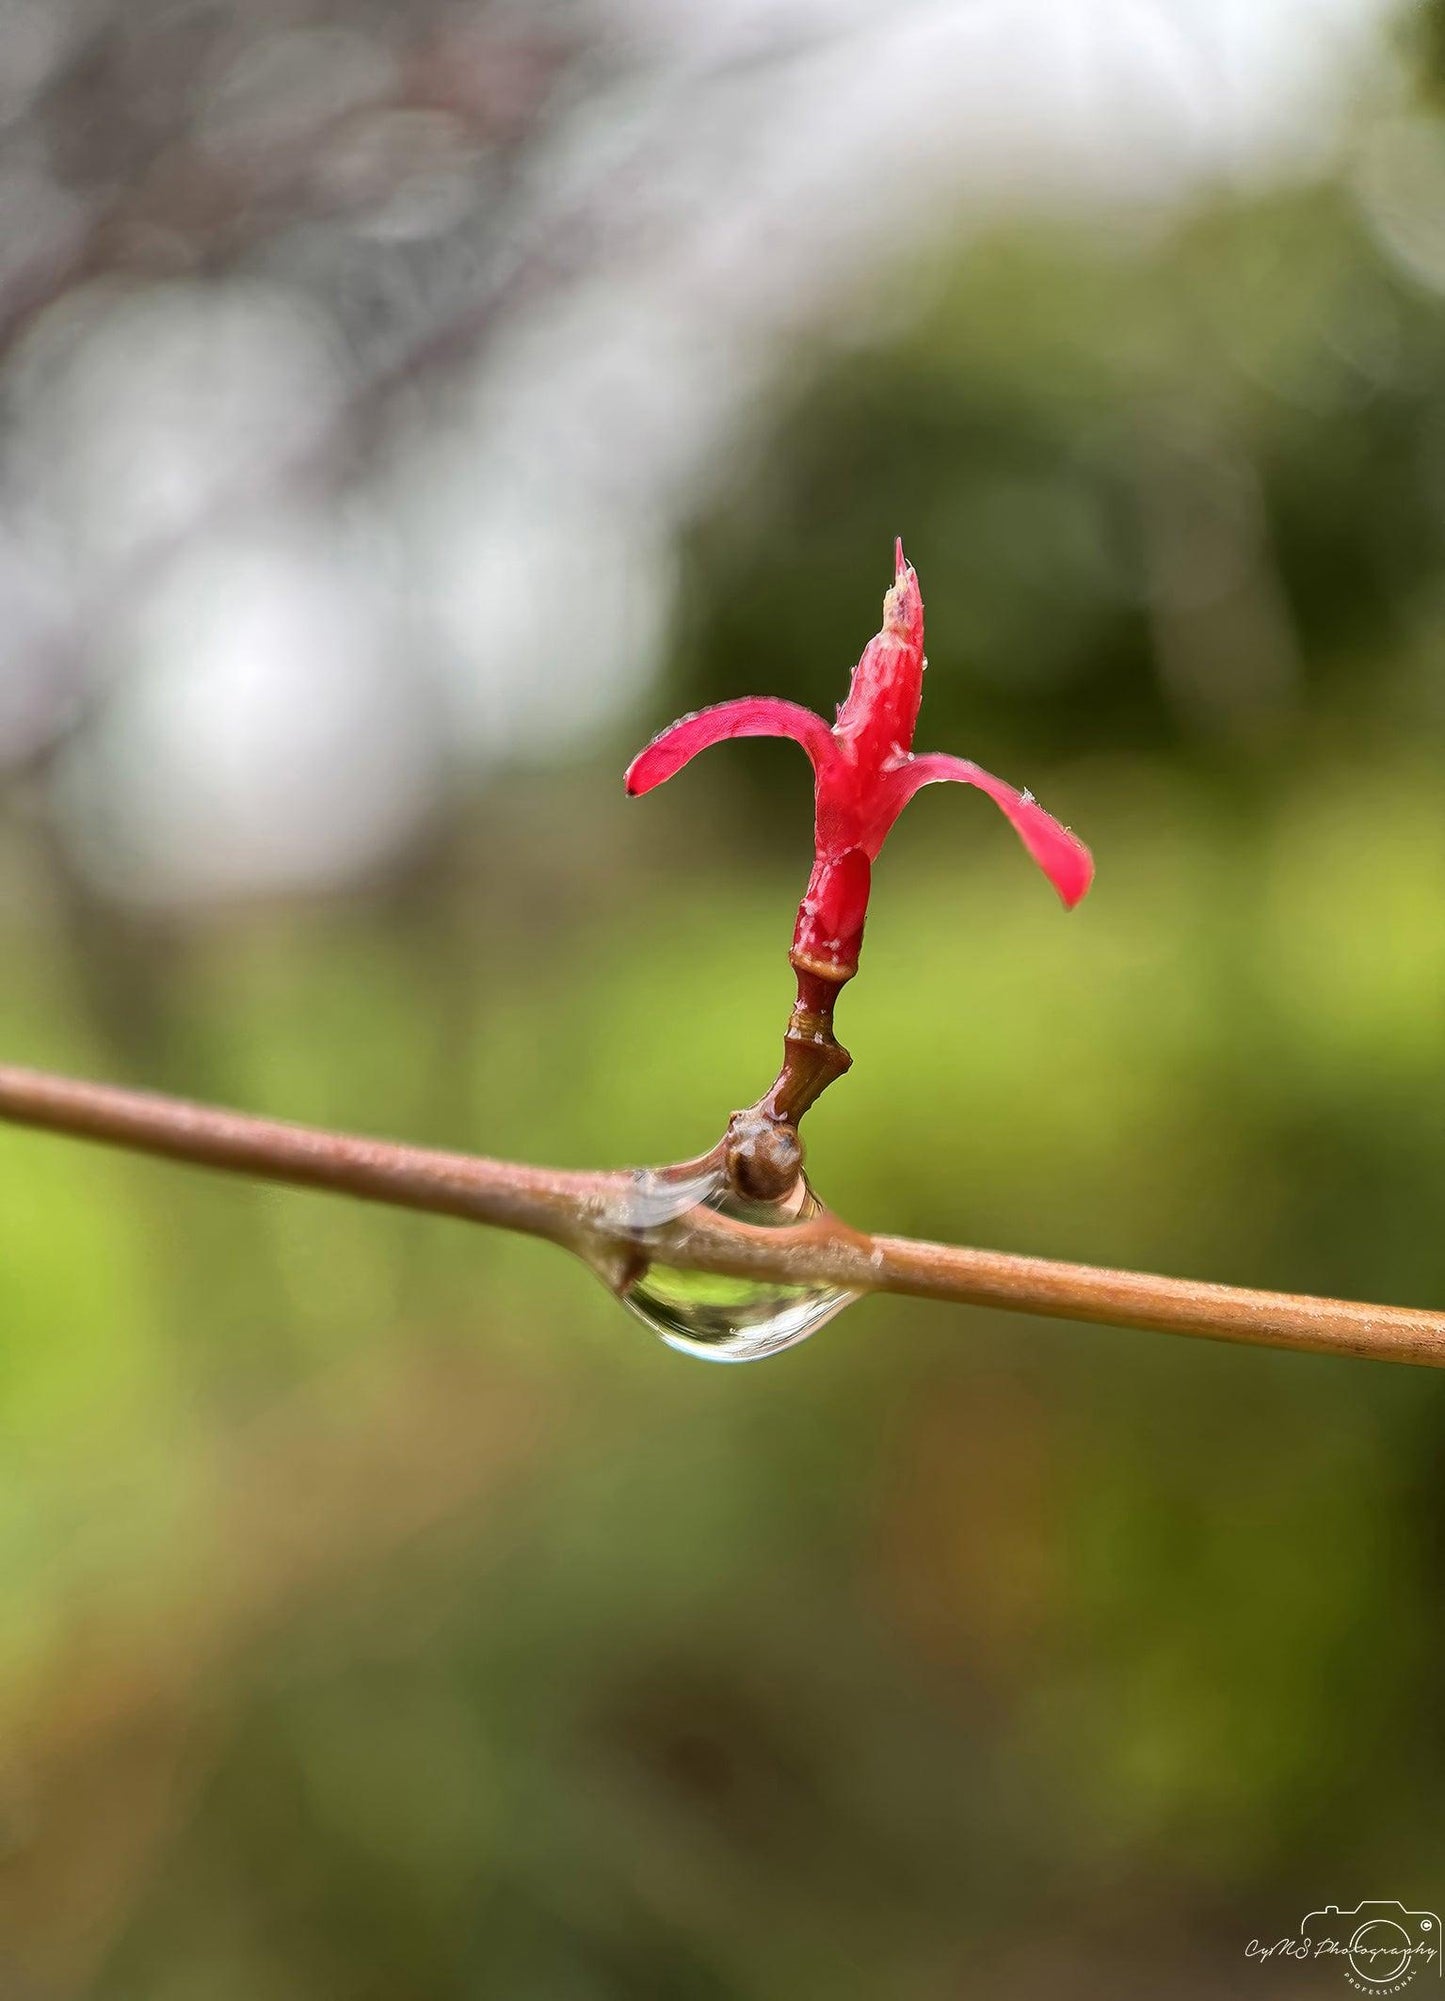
{"x": 721, "y": 1319}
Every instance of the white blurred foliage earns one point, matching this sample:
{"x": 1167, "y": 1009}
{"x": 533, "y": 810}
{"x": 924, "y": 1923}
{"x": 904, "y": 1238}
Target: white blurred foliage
{"x": 36, "y": 36}
{"x": 267, "y": 736}
{"x": 280, "y": 87}
{"x": 272, "y": 707}
{"x": 139, "y": 413}
{"x": 32, "y": 596}
{"x": 553, "y": 614}
{"x": 1400, "y": 179}
{"x": 34, "y": 209}
{"x": 410, "y": 174}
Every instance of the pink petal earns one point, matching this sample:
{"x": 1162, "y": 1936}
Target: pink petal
{"x": 829, "y": 932}
{"x": 881, "y": 711}
{"x": 1061, "y": 855}
{"x": 754, "y": 715}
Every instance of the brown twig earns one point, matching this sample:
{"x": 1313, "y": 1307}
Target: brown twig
{"x": 595, "y": 1215}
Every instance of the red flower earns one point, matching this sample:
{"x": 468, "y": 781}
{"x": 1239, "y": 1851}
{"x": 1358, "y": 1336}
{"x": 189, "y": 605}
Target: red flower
{"x": 866, "y": 774}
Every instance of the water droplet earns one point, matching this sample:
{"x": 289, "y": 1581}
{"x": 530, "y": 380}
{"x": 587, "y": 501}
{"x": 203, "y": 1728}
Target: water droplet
{"x": 702, "y": 1313}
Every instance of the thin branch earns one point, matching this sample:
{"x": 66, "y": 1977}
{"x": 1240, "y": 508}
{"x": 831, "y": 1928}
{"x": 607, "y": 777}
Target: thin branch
{"x": 595, "y": 1216}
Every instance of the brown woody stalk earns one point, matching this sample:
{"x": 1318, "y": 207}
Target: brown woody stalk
{"x": 591, "y": 1215}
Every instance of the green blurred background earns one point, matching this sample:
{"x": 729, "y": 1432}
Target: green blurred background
{"x": 405, "y": 415}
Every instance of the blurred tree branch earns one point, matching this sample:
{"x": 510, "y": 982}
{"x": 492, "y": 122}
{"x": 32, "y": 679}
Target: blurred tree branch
{"x": 154, "y": 199}
{"x": 592, "y": 1214}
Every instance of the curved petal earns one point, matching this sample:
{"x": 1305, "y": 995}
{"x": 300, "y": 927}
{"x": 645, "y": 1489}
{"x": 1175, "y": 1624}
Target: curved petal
{"x": 754, "y": 715}
{"x": 1061, "y": 855}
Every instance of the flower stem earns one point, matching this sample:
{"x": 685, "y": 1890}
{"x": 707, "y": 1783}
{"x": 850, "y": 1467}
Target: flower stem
{"x": 813, "y": 1057}
{"x": 761, "y": 1150}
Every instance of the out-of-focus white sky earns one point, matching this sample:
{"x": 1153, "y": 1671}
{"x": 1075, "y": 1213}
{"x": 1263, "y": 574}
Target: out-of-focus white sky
{"x": 288, "y": 686}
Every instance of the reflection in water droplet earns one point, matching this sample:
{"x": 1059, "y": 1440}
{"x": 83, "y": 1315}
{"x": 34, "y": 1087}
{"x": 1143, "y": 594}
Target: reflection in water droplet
{"x": 700, "y": 1313}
